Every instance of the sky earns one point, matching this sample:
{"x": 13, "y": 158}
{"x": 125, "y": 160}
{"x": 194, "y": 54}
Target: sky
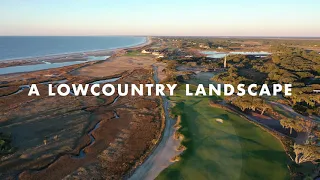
{"x": 161, "y": 17}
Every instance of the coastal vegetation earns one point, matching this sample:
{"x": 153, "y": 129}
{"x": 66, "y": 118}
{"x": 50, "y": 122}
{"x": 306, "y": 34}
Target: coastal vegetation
{"x": 76, "y": 134}
{"x": 306, "y": 153}
{"x": 293, "y": 62}
{"x": 5, "y": 144}
{"x": 248, "y": 102}
{"x": 292, "y": 65}
{"x": 229, "y": 137}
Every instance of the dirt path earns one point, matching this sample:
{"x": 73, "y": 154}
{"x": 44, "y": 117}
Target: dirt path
{"x": 160, "y": 158}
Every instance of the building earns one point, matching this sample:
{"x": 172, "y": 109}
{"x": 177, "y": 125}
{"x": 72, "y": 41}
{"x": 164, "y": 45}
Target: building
{"x": 204, "y": 46}
{"x": 161, "y": 56}
{"x": 316, "y": 91}
{"x": 145, "y": 51}
{"x": 156, "y": 53}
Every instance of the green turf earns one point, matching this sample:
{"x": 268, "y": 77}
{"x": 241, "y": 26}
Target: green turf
{"x": 135, "y": 53}
{"x": 234, "y": 149}
{"x": 202, "y": 78}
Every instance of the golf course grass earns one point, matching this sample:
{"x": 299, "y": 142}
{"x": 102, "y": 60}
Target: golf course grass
{"x": 234, "y": 149}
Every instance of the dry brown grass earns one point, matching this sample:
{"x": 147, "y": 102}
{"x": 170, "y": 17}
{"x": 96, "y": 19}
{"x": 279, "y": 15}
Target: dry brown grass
{"x": 63, "y": 123}
{"x": 116, "y": 65}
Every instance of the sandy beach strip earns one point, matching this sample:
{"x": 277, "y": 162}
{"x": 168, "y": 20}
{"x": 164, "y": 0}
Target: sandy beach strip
{"x": 63, "y": 57}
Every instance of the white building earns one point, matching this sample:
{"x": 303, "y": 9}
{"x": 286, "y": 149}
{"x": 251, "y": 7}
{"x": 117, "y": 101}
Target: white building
{"x": 156, "y": 53}
{"x": 145, "y": 52}
{"x": 316, "y": 91}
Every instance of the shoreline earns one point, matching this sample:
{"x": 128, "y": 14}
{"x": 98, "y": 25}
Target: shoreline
{"x": 80, "y": 54}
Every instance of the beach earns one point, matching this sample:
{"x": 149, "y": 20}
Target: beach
{"x": 67, "y": 57}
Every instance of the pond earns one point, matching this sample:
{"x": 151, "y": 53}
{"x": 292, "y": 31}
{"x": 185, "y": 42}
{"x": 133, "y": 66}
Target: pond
{"x": 215, "y": 54}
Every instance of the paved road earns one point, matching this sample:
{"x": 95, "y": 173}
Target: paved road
{"x": 159, "y": 159}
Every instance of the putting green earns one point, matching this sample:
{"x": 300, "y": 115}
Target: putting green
{"x": 234, "y": 149}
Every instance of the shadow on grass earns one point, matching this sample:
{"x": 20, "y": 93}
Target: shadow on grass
{"x": 253, "y": 154}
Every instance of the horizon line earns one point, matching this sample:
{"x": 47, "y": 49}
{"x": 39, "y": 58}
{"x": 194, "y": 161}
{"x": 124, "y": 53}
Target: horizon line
{"x": 222, "y": 36}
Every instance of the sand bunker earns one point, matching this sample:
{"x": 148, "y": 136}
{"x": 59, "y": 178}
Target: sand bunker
{"x": 219, "y": 120}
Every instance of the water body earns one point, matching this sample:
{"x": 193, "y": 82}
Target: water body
{"x": 215, "y": 54}
{"x": 47, "y": 65}
{"x": 17, "y": 47}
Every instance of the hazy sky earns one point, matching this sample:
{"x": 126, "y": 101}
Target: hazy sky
{"x": 162, "y": 17}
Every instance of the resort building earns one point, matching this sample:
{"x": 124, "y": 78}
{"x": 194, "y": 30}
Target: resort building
{"x": 316, "y": 91}
{"x": 145, "y": 52}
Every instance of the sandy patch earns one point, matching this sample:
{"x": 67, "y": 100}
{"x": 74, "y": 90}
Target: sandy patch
{"x": 116, "y": 65}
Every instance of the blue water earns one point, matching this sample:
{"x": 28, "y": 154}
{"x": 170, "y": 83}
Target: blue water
{"x": 19, "y": 47}
{"x": 215, "y": 54}
{"x": 44, "y": 66}
{"x": 14, "y": 47}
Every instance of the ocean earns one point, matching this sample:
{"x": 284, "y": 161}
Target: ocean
{"x": 17, "y": 47}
